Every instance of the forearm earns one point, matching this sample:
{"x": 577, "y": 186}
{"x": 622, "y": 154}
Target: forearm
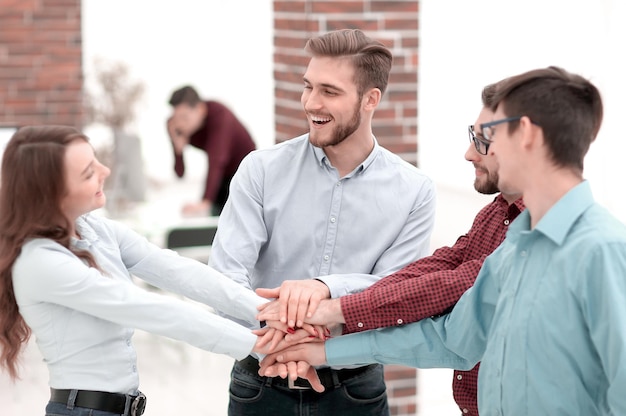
{"x": 408, "y": 300}
{"x": 417, "y": 345}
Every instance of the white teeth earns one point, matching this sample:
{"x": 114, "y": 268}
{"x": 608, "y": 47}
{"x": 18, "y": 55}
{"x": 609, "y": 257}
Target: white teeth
{"x": 317, "y": 119}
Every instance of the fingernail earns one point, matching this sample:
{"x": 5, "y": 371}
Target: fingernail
{"x": 291, "y": 331}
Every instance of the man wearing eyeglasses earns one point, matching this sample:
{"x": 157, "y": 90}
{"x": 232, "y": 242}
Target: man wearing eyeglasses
{"x": 546, "y": 314}
{"x": 432, "y": 285}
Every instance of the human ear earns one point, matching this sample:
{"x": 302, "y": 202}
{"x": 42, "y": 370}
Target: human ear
{"x": 371, "y": 99}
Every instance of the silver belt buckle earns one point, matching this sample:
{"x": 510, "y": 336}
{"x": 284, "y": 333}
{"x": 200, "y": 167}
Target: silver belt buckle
{"x": 292, "y": 385}
{"x": 138, "y": 406}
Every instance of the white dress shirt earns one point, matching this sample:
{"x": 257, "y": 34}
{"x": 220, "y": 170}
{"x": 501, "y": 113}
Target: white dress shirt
{"x": 290, "y": 216}
{"x": 83, "y": 319}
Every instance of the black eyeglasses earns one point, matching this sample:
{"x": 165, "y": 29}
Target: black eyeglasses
{"x": 488, "y": 128}
{"x": 480, "y": 143}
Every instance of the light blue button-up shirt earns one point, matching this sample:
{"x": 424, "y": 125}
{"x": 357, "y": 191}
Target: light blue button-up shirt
{"x": 83, "y": 320}
{"x": 546, "y": 316}
{"x": 290, "y": 216}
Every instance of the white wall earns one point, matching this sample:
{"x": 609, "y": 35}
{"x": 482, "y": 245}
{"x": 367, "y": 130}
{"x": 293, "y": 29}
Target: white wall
{"x": 465, "y": 45}
{"x": 223, "y": 48}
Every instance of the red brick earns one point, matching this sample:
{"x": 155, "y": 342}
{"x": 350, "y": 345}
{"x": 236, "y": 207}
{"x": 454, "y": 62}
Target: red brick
{"x": 410, "y": 42}
{"x": 290, "y": 112}
{"x": 10, "y": 7}
{"x": 408, "y": 23}
{"x": 289, "y": 6}
{"x": 291, "y": 42}
{"x": 293, "y": 96}
{"x": 409, "y": 112}
{"x": 404, "y": 392}
{"x": 405, "y": 77}
{"x": 338, "y": 7}
{"x": 296, "y": 24}
{"x": 385, "y": 113}
{"x": 397, "y": 372}
{"x": 400, "y": 95}
{"x": 289, "y": 59}
{"x": 394, "y": 6}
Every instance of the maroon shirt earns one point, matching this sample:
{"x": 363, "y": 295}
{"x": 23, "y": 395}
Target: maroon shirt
{"x": 432, "y": 285}
{"x": 226, "y": 142}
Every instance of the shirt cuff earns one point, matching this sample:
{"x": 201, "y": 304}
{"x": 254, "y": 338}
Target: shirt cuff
{"x": 356, "y": 310}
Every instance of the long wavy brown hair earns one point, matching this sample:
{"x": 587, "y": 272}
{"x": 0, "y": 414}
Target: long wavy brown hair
{"x": 32, "y": 184}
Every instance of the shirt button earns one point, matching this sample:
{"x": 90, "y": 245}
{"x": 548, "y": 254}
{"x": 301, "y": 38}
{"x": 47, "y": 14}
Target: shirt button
{"x": 338, "y": 183}
{"x": 506, "y": 222}
{"x": 134, "y": 369}
{"x": 400, "y": 321}
{"x": 523, "y": 253}
{"x": 465, "y": 411}
{"x": 128, "y": 342}
{"x": 333, "y": 220}
{"x": 459, "y": 377}
{"x": 360, "y": 325}
{"x": 326, "y": 257}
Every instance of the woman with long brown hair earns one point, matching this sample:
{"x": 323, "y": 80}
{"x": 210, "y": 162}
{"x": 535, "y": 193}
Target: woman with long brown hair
{"x": 66, "y": 275}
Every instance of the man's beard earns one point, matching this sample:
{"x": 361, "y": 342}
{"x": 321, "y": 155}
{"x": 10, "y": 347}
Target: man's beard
{"x": 489, "y": 186}
{"x": 341, "y": 132}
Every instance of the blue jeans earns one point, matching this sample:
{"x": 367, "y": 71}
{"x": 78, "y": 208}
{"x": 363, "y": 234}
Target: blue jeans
{"x": 253, "y": 395}
{"x": 61, "y": 409}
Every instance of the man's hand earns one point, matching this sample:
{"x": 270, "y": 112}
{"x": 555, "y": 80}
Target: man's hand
{"x": 179, "y": 140}
{"x": 294, "y": 370}
{"x": 294, "y": 361}
{"x": 298, "y": 299}
{"x": 328, "y": 313}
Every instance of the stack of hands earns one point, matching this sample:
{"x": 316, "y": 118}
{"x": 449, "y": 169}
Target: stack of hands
{"x": 299, "y": 319}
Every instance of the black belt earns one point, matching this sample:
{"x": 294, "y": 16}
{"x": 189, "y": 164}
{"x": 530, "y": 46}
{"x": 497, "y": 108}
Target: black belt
{"x": 328, "y": 377}
{"x": 100, "y": 400}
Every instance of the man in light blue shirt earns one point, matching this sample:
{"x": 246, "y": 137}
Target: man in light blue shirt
{"x": 330, "y": 203}
{"x": 546, "y": 315}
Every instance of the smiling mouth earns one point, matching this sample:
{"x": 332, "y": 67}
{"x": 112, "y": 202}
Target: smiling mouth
{"x": 320, "y": 120}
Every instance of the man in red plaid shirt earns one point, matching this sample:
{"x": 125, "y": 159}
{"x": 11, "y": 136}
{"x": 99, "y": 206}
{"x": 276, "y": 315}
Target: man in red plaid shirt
{"x": 430, "y": 286}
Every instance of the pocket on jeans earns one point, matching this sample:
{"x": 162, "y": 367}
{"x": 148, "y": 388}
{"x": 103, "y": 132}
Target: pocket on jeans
{"x": 245, "y": 388}
{"x": 365, "y": 389}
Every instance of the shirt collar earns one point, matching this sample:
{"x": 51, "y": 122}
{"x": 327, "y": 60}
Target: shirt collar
{"x": 559, "y": 219}
{"x": 322, "y": 158}
{"x": 511, "y": 210}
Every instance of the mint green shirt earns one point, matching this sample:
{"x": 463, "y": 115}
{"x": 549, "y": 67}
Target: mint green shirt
{"x": 546, "y": 317}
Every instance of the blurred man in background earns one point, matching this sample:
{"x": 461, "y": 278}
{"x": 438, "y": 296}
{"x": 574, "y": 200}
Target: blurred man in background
{"x": 214, "y": 129}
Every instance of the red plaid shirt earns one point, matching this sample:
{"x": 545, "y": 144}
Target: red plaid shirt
{"x": 432, "y": 285}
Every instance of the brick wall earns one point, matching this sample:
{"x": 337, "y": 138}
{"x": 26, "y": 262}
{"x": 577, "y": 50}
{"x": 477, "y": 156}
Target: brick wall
{"x": 395, "y": 23}
{"x": 40, "y": 62}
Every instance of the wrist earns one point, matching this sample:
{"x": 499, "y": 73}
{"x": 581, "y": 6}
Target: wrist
{"x": 334, "y": 305}
{"x": 329, "y": 313}
{"x": 324, "y": 289}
